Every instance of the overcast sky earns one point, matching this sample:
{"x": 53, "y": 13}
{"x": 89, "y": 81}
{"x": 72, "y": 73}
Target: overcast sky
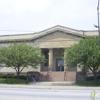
{"x": 37, "y": 15}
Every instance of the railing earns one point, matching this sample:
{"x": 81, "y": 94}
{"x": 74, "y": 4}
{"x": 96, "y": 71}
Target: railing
{"x": 33, "y": 80}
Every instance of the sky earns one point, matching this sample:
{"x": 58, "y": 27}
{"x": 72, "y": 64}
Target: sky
{"x": 26, "y": 16}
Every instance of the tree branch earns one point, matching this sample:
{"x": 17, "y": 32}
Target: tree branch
{"x": 91, "y": 69}
{"x": 21, "y": 69}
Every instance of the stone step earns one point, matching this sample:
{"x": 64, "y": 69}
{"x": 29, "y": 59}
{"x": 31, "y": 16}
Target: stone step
{"x": 53, "y": 83}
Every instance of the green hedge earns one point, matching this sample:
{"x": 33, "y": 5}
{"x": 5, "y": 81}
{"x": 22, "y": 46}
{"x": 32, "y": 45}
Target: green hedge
{"x": 23, "y": 77}
{"x": 3, "y": 75}
{"x": 12, "y": 81}
{"x": 14, "y": 76}
{"x": 91, "y": 78}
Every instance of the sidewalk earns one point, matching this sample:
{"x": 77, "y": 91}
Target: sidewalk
{"x": 50, "y": 87}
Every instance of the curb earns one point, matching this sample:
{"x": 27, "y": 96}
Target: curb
{"x": 50, "y": 87}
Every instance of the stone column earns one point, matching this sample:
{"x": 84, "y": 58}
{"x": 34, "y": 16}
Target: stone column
{"x": 50, "y": 59}
{"x": 65, "y": 66}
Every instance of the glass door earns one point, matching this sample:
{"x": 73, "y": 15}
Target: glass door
{"x": 59, "y": 65}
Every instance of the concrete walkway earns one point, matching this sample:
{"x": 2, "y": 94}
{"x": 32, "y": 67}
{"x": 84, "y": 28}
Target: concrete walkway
{"x": 49, "y": 87}
{"x": 57, "y": 83}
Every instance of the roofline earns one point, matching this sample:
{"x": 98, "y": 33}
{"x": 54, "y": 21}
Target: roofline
{"x": 18, "y": 34}
{"x": 58, "y": 26}
{"x": 16, "y": 40}
{"x": 67, "y": 27}
{"x": 90, "y": 30}
{"x": 51, "y": 30}
{"x": 45, "y": 32}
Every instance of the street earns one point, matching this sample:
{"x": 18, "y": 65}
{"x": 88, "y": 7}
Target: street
{"x": 44, "y": 94}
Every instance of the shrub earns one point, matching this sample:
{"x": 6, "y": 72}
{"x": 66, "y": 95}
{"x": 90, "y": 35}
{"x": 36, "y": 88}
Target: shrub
{"x": 22, "y": 77}
{"x": 91, "y": 78}
{"x": 14, "y": 76}
{"x": 10, "y": 76}
{"x": 3, "y": 75}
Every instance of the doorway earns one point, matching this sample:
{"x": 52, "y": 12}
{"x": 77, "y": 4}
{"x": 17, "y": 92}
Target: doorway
{"x": 59, "y": 65}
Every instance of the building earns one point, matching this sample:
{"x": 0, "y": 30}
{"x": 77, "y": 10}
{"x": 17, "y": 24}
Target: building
{"x": 52, "y": 42}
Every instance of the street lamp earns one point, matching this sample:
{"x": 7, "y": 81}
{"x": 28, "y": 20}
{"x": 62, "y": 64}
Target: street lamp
{"x": 98, "y": 26}
{"x": 98, "y": 23}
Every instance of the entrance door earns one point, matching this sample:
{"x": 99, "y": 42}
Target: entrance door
{"x": 59, "y": 65}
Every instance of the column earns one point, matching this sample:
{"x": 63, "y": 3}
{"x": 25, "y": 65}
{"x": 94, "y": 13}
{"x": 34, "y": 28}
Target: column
{"x": 65, "y": 65}
{"x": 50, "y": 59}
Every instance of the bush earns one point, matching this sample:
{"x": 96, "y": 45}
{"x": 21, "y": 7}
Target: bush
{"x": 0, "y": 75}
{"x": 14, "y": 76}
{"x": 12, "y": 81}
{"x": 91, "y": 78}
{"x": 10, "y": 75}
{"x": 22, "y": 77}
{"x": 3, "y": 75}
{"x": 88, "y": 83}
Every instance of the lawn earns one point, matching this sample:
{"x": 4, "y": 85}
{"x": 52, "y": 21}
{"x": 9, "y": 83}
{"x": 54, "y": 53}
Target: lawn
{"x": 88, "y": 83}
{"x": 12, "y": 81}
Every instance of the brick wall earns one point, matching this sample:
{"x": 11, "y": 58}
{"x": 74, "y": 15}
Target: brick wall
{"x": 58, "y": 76}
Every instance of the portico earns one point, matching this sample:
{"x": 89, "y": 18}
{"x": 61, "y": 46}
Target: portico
{"x": 54, "y": 59}
{"x": 53, "y": 43}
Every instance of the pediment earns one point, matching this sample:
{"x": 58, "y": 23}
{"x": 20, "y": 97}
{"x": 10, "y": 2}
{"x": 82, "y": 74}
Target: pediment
{"x": 58, "y": 36}
{"x": 57, "y": 39}
{"x": 60, "y": 29}
{"x": 61, "y": 39}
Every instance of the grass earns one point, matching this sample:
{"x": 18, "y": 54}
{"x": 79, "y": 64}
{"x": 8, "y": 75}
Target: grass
{"x": 21, "y": 81}
{"x": 88, "y": 83}
{"x": 12, "y": 81}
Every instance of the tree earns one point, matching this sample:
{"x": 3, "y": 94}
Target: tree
{"x": 86, "y": 53}
{"x": 19, "y": 56}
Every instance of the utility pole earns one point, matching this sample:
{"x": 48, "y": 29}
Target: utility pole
{"x": 98, "y": 24}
